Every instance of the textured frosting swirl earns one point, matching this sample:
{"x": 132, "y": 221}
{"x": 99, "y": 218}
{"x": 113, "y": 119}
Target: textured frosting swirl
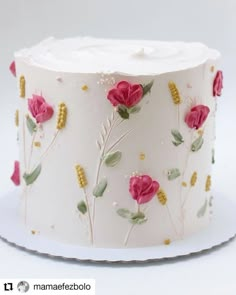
{"x": 132, "y": 57}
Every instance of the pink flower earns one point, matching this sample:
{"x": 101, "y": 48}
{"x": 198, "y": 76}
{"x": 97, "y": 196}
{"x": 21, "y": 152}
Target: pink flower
{"x": 218, "y": 84}
{"x": 197, "y": 116}
{"x": 12, "y": 68}
{"x": 39, "y": 109}
{"x": 16, "y": 174}
{"x": 143, "y": 188}
{"x": 126, "y": 94}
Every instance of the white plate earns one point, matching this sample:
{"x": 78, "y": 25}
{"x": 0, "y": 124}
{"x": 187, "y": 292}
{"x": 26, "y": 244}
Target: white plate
{"x": 221, "y": 230}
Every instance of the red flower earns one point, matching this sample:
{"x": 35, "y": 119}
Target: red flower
{"x": 12, "y": 68}
{"x": 126, "y": 94}
{"x": 197, "y": 116}
{"x": 143, "y": 188}
{"x": 218, "y": 84}
{"x": 16, "y": 174}
{"x": 39, "y": 109}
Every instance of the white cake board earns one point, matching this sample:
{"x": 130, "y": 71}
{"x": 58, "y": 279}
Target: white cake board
{"x": 221, "y": 230}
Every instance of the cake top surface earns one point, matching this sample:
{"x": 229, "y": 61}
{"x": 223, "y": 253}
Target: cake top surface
{"x": 131, "y": 57}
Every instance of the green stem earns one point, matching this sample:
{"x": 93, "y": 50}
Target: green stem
{"x": 89, "y": 216}
{"x": 49, "y": 147}
{"x": 24, "y": 145}
{"x": 128, "y": 234}
{"x": 100, "y": 164}
{"x": 119, "y": 140}
{"x": 31, "y": 150}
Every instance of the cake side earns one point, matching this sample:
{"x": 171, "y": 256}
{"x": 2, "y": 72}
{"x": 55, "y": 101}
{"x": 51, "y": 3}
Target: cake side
{"x": 115, "y": 160}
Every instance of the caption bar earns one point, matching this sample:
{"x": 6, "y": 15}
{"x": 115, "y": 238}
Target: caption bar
{"x": 47, "y": 286}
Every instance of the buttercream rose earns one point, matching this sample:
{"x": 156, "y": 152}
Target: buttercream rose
{"x": 40, "y": 109}
{"x": 197, "y": 116}
{"x": 143, "y": 188}
{"x": 16, "y": 173}
{"x": 218, "y": 84}
{"x": 126, "y": 94}
{"x": 12, "y": 68}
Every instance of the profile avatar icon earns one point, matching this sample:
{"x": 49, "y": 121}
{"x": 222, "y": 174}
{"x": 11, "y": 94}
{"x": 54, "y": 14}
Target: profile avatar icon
{"x": 23, "y": 287}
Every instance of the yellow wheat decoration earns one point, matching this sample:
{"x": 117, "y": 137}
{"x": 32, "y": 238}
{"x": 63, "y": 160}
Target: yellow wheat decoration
{"x": 193, "y": 179}
{"x": 208, "y": 183}
{"x": 17, "y": 118}
{"x": 62, "y": 116}
{"x": 162, "y": 197}
{"x": 82, "y": 180}
{"x": 174, "y": 92}
{"x": 22, "y": 86}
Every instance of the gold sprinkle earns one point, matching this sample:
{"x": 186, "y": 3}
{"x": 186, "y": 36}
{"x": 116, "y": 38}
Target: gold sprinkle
{"x": 193, "y": 179}
{"x": 22, "y": 86}
{"x": 84, "y": 87}
{"x": 212, "y": 68}
{"x": 208, "y": 183}
{"x": 142, "y": 156}
{"x": 200, "y": 132}
{"x": 167, "y": 242}
{"x": 82, "y": 180}
{"x": 37, "y": 144}
{"x": 33, "y": 232}
{"x": 184, "y": 184}
{"x": 174, "y": 92}
{"x": 162, "y": 197}
{"x": 62, "y": 116}
{"x": 17, "y": 118}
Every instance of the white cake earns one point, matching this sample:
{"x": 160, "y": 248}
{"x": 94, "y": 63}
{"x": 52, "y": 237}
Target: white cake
{"x": 116, "y": 140}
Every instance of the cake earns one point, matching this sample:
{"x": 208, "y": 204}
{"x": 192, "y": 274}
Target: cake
{"x": 116, "y": 140}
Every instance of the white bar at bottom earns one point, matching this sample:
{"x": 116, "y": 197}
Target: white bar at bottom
{"x": 47, "y": 286}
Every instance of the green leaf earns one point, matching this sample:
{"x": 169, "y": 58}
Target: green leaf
{"x": 31, "y": 177}
{"x": 147, "y": 88}
{"x": 123, "y": 112}
{"x": 201, "y": 212}
{"x": 176, "y": 143}
{"x": 100, "y": 188}
{"x": 197, "y": 144}
{"x": 134, "y": 110}
{"x": 113, "y": 159}
{"x": 32, "y": 127}
{"x": 213, "y": 156}
{"x": 125, "y": 213}
{"x": 177, "y": 136}
{"x": 210, "y": 201}
{"x": 82, "y": 207}
{"x": 138, "y": 218}
{"x": 173, "y": 173}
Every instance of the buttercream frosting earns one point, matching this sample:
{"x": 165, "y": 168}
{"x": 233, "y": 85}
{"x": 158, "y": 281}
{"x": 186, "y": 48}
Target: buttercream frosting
{"x": 136, "y": 57}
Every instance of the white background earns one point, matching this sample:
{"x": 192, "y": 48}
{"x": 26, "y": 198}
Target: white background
{"x": 26, "y": 22}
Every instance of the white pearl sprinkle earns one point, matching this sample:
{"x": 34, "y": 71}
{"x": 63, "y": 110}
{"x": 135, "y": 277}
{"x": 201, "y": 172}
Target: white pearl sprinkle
{"x": 139, "y": 53}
